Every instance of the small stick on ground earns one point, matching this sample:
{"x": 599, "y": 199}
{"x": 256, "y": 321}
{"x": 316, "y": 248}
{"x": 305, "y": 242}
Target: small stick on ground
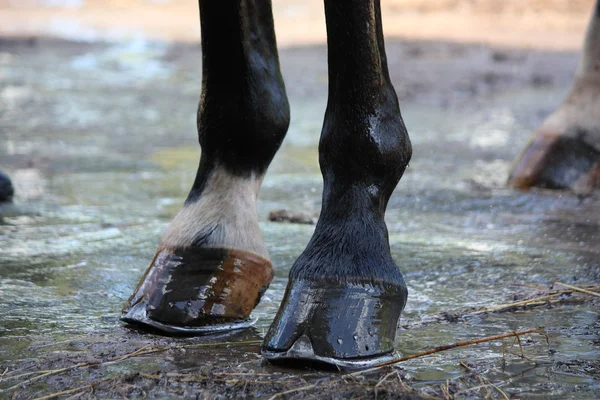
{"x": 149, "y": 376}
{"x": 515, "y": 304}
{"x": 550, "y": 298}
{"x": 536, "y": 300}
{"x": 240, "y": 374}
{"x": 301, "y": 388}
{"x": 46, "y": 372}
{"x": 448, "y": 347}
{"x": 482, "y": 379}
{"x": 139, "y": 352}
{"x": 578, "y": 289}
{"x": 484, "y": 386}
{"x": 520, "y": 345}
{"x": 77, "y": 389}
{"x": 382, "y": 380}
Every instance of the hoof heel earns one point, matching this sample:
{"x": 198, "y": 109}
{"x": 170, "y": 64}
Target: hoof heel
{"x": 199, "y": 291}
{"x": 346, "y": 325}
{"x": 556, "y": 162}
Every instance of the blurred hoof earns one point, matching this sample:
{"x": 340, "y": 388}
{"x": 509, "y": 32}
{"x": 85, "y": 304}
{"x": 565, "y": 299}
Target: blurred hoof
{"x": 340, "y": 324}
{"x": 6, "y": 188}
{"x": 564, "y": 152}
{"x": 199, "y": 291}
{"x": 558, "y": 162}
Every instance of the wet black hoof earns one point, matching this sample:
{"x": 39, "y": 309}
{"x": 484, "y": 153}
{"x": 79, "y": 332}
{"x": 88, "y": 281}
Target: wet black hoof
{"x": 349, "y": 325}
{"x": 198, "y": 291}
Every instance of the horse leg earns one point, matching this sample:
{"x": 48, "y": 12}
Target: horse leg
{"x": 565, "y": 150}
{"x": 345, "y": 293}
{"x": 212, "y": 267}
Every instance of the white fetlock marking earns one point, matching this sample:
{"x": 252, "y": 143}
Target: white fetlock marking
{"x": 227, "y": 201}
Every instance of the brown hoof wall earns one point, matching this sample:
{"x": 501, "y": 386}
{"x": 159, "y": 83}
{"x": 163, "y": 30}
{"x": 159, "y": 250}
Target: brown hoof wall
{"x": 340, "y": 324}
{"x": 557, "y": 162}
{"x": 199, "y": 291}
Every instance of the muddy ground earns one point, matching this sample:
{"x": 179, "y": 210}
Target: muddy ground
{"x": 100, "y": 141}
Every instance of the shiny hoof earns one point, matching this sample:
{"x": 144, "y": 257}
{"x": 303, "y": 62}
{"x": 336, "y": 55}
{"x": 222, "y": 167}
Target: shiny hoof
{"x": 557, "y": 162}
{"x": 347, "y": 325}
{"x": 198, "y": 291}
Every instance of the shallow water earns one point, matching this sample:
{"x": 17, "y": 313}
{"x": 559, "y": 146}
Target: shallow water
{"x": 100, "y": 173}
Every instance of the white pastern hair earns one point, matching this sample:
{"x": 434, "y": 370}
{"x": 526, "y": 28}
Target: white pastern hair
{"x": 227, "y": 203}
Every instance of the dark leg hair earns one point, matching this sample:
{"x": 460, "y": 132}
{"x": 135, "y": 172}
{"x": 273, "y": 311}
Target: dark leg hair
{"x": 212, "y": 266}
{"x": 346, "y": 293}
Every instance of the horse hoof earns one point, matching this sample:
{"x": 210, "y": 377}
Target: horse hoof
{"x": 564, "y": 161}
{"x": 344, "y": 324}
{"x": 198, "y": 291}
{"x": 565, "y": 150}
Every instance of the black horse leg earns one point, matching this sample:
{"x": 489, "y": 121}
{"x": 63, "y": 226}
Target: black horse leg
{"x": 345, "y": 294}
{"x": 212, "y": 267}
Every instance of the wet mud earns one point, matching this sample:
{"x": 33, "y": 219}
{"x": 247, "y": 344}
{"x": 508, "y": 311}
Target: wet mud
{"x": 100, "y": 141}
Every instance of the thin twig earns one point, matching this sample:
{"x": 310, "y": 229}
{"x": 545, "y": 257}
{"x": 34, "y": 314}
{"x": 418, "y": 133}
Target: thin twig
{"x": 484, "y": 386}
{"x": 515, "y": 304}
{"x": 52, "y": 372}
{"x": 46, "y": 372}
{"x": 520, "y": 345}
{"x": 76, "y": 396}
{"x": 483, "y": 379}
{"x": 385, "y": 378}
{"x": 499, "y": 390}
{"x": 77, "y": 389}
{"x": 299, "y": 389}
{"x": 235, "y": 381}
{"x": 141, "y": 351}
{"x": 549, "y": 298}
{"x": 533, "y": 301}
{"x": 446, "y": 390}
{"x": 149, "y": 376}
{"x": 240, "y": 374}
{"x": 447, "y": 347}
{"x": 578, "y": 289}
{"x": 256, "y": 382}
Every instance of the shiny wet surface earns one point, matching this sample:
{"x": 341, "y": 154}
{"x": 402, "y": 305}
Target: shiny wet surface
{"x": 100, "y": 142}
{"x": 187, "y": 291}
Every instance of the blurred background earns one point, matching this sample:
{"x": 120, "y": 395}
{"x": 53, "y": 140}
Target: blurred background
{"x": 556, "y": 24}
{"x": 97, "y": 131}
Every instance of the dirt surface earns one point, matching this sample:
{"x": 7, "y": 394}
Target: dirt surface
{"x": 96, "y": 137}
{"x": 99, "y": 138}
